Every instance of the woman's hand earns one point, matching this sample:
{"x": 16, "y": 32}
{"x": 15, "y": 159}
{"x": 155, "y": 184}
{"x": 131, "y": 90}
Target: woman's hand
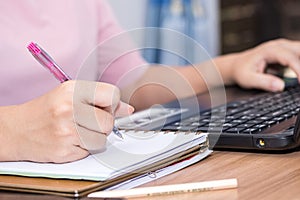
{"x": 63, "y": 125}
{"x": 248, "y": 67}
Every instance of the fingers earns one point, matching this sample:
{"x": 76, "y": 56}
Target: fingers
{"x": 93, "y": 118}
{"x": 266, "y": 82}
{"x": 102, "y": 95}
{"x": 124, "y": 109}
{"x": 98, "y": 120}
{"x": 284, "y": 52}
{"x": 90, "y": 140}
{"x": 96, "y": 104}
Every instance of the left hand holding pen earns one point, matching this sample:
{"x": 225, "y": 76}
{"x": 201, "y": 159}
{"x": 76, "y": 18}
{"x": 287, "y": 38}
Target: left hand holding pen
{"x": 248, "y": 67}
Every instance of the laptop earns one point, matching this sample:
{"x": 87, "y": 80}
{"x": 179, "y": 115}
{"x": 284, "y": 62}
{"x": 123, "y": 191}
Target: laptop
{"x": 248, "y": 120}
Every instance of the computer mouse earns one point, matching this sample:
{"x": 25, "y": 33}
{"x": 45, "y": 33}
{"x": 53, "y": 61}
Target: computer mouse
{"x": 287, "y": 74}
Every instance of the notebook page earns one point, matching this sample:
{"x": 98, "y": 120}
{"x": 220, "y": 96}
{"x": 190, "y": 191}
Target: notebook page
{"x": 120, "y": 157}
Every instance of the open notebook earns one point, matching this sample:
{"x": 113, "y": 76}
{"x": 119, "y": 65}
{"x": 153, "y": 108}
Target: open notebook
{"x": 140, "y": 152}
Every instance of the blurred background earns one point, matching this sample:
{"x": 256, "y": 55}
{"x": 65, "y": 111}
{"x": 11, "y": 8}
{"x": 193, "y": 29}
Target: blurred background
{"x": 220, "y": 26}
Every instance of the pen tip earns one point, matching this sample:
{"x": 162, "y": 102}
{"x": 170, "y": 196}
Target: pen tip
{"x": 117, "y": 132}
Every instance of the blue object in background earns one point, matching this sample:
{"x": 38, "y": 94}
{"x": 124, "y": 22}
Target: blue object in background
{"x": 200, "y": 29}
{"x": 173, "y": 18}
{"x": 187, "y": 18}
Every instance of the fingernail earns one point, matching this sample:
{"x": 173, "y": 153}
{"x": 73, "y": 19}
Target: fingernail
{"x": 130, "y": 109}
{"x": 277, "y": 86}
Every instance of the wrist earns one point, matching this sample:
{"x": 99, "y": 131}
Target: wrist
{"x": 225, "y": 65}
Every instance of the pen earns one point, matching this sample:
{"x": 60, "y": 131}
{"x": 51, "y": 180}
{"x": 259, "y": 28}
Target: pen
{"x": 45, "y": 60}
{"x": 168, "y": 189}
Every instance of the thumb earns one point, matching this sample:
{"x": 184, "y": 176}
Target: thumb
{"x": 123, "y": 109}
{"x": 267, "y": 82}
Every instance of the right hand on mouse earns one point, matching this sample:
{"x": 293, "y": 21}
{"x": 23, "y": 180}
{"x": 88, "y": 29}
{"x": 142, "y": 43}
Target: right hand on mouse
{"x": 248, "y": 67}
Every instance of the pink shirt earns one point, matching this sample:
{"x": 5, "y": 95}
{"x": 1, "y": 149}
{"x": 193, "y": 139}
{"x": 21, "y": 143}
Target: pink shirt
{"x": 69, "y": 30}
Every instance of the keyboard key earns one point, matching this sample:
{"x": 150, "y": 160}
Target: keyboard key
{"x": 235, "y": 130}
{"x": 245, "y": 125}
{"x": 209, "y": 129}
{"x": 269, "y": 123}
{"x": 250, "y": 130}
{"x": 261, "y": 126}
{"x": 246, "y": 116}
{"x": 278, "y": 119}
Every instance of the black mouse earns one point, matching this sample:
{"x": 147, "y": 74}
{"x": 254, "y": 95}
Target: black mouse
{"x": 287, "y": 74}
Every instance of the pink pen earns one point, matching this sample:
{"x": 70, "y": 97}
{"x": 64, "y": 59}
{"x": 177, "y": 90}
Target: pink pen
{"x": 45, "y": 59}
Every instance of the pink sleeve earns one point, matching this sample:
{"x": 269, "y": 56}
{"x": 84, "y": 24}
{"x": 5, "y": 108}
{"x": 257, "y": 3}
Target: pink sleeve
{"x": 119, "y": 59}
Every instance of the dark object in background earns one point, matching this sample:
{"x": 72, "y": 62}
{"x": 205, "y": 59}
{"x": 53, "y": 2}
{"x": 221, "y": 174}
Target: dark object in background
{"x": 245, "y": 24}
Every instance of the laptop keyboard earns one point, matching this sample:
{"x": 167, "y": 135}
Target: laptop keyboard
{"x": 249, "y": 116}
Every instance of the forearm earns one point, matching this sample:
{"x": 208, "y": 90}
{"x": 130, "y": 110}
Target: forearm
{"x": 160, "y": 85}
{"x": 163, "y": 84}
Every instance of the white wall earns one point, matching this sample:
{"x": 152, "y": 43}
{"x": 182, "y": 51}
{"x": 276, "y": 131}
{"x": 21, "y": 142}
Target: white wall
{"x": 130, "y": 13}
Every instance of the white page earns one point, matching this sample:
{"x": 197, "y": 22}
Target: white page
{"x": 120, "y": 157}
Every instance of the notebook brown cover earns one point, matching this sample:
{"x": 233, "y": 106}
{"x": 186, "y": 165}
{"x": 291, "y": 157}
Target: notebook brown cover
{"x": 80, "y": 188}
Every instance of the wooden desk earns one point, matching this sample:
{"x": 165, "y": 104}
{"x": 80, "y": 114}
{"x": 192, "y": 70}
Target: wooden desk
{"x": 260, "y": 176}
